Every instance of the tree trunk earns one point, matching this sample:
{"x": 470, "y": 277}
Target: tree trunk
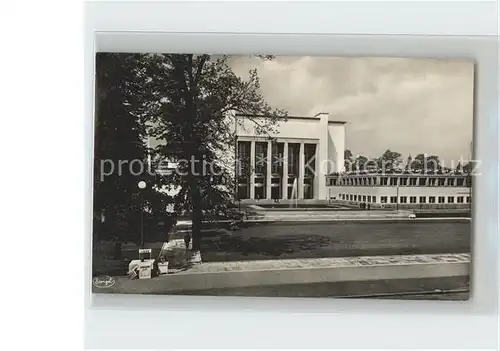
{"x": 196, "y": 215}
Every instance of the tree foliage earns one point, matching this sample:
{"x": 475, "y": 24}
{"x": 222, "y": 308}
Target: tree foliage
{"x": 389, "y": 160}
{"x": 426, "y": 162}
{"x": 187, "y": 102}
{"x": 348, "y": 159}
{"x": 119, "y": 140}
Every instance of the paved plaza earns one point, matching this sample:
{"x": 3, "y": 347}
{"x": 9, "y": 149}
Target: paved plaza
{"x": 336, "y": 262}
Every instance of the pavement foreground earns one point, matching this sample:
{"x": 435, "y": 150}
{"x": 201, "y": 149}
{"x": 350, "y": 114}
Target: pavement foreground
{"x": 307, "y": 277}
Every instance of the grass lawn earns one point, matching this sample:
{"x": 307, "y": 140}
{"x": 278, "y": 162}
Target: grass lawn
{"x": 336, "y": 239}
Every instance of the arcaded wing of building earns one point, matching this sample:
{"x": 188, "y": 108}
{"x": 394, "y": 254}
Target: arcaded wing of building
{"x": 403, "y": 189}
{"x": 291, "y": 164}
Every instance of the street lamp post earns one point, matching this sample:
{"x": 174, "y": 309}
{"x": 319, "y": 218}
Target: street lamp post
{"x": 142, "y": 186}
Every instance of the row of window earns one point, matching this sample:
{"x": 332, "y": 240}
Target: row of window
{"x": 364, "y": 198}
{"x": 407, "y": 199}
{"x": 403, "y": 181}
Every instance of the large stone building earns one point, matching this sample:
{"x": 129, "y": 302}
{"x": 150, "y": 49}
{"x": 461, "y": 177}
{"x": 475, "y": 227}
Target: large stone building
{"x": 303, "y": 162}
{"x": 292, "y": 164}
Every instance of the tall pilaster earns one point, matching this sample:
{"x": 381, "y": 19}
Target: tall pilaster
{"x": 269, "y": 164}
{"x": 323, "y": 159}
{"x": 301, "y": 171}
{"x": 320, "y": 188}
{"x": 252, "y": 169}
{"x": 284, "y": 181}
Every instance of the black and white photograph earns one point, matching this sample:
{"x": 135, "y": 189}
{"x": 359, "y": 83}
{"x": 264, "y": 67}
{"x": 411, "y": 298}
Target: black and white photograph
{"x": 281, "y": 176}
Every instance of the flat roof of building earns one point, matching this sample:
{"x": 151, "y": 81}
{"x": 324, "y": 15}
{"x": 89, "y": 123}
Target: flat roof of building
{"x": 330, "y": 119}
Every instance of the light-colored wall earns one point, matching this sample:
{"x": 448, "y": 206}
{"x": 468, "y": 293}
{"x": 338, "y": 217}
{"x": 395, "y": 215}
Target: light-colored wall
{"x": 323, "y": 158}
{"x": 329, "y": 137}
{"x": 292, "y": 129}
{"x": 336, "y": 146}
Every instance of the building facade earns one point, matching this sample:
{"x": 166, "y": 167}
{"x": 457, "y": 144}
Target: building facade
{"x": 402, "y": 190}
{"x": 291, "y": 164}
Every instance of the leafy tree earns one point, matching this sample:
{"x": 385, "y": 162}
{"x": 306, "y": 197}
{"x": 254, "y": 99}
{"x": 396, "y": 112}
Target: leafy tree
{"x": 433, "y": 163}
{"x": 467, "y": 168}
{"x": 194, "y": 97}
{"x": 119, "y": 140}
{"x": 418, "y": 163}
{"x": 360, "y": 163}
{"x": 348, "y": 160}
{"x": 408, "y": 165}
{"x": 390, "y": 160}
{"x": 425, "y": 163}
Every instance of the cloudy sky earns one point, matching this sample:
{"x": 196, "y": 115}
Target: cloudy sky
{"x": 406, "y": 105}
